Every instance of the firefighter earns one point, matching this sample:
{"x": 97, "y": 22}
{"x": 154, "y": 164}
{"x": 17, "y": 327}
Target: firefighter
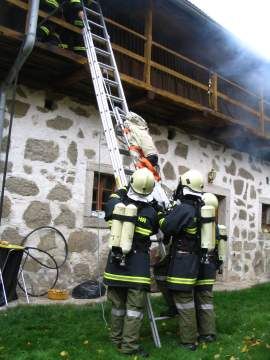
{"x": 141, "y": 144}
{"x": 127, "y": 272}
{"x": 182, "y": 223}
{"x": 47, "y": 32}
{"x": 204, "y": 284}
{"x": 73, "y": 13}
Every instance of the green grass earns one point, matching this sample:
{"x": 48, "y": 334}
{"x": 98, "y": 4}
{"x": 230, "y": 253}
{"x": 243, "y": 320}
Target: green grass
{"x": 78, "y": 333}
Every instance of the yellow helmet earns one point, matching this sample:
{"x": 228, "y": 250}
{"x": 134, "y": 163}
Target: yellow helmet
{"x": 142, "y": 181}
{"x": 193, "y": 180}
{"x": 210, "y": 199}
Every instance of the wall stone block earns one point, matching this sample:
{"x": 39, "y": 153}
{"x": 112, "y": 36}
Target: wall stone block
{"x": 82, "y": 240}
{"x": 238, "y": 186}
{"x": 37, "y": 214}
{"x": 41, "y": 150}
{"x": 66, "y": 217}
{"x": 182, "y": 169}
{"x": 6, "y": 207}
{"x": 72, "y": 153}
{"x": 231, "y": 169}
{"x": 162, "y": 146}
{"x": 248, "y": 246}
{"x": 78, "y": 110}
{"x": 21, "y": 108}
{"x": 245, "y": 174}
{"x": 168, "y": 171}
{"x": 60, "y": 193}
{"x": 12, "y": 235}
{"x": 89, "y": 153}
{"x": 2, "y": 166}
{"x": 242, "y": 214}
{"x": 154, "y": 130}
{"x": 258, "y": 263}
{"x": 181, "y": 150}
{"x": 237, "y": 245}
{"x": 21, "y": 186}
{"x": 236, "y": 232}
{"x": 59, "y": 123}
{"x": 252, "y": 192}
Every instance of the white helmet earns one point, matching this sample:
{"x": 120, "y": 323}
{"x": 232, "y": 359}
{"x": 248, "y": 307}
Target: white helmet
{"x": 193, "y": 180}
{"x": 210, "y": 199}
{"x": 142, "y": 181}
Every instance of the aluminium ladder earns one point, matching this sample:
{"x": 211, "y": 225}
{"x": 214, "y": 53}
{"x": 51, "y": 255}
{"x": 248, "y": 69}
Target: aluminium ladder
{"x": 112, "y": 106}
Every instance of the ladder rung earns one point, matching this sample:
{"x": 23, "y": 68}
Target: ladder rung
{"x": 102, "y": 52}
{"x": 111, "y": 82}
{"x": 128, "y": 171}
{"x": 96, "y": 24}
{"x": 107, "y": 67}
{"x": 93, "y": 12}
{"x": 115, "y": 98}
{"x": 99, "y": 38}
{"x": 124, "y": 152}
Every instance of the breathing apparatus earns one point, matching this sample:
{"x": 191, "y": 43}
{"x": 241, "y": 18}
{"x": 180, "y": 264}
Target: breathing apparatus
{"x": 124, "y": 217}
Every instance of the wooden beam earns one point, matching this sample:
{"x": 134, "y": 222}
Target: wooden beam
{"x": 24, "y": 6}
{"x": 76, "y": 76}
{"x": 129, "y": 53}
{"x": 148, "y": 44}
{"x": 215, "y": 91}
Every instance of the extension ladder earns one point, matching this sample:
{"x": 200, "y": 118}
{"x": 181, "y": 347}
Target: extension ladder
{"x": 112, "y": 105}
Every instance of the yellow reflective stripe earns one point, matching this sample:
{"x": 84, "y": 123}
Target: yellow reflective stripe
{"x": 109, "y": 222}
{"x": 161, "y": 221}
{"x": 63, "y": 46}
{"x": 135, "y": 279}
{"x": 115, "y": 196}
{"x": 191, "y": 231}
{"x": 142, "y": 231}
{"x": 45, "y": 29}
{"x": 205, "y": 282}
{"x": 79, "y": 48}
{"x": 78, "y": 22}
{"x": 75, "y": 1}
{"x": 185, "y": 281}
{"x": 52, "y": 2}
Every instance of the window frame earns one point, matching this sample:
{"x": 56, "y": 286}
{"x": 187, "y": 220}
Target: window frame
{"x": 89, "y": 219}
{"x": 262, "y": 201}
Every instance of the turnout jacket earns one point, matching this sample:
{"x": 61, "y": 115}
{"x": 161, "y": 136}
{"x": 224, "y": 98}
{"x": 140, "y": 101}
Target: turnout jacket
{"x": 182, "y": 224}
{"x": 136, "y": 273}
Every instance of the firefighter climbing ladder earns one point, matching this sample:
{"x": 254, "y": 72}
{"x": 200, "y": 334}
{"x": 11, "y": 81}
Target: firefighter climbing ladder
{"x": 112, "y": 105}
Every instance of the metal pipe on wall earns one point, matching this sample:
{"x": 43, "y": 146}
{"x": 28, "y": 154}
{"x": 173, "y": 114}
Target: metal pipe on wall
{"x": 25, "y": 50}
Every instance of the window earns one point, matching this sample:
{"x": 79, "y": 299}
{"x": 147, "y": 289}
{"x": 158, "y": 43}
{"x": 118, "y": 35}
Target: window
{"x": 104, "y": 185}
{"x": 265, "y": 224}
{"x": 99, "y": 184}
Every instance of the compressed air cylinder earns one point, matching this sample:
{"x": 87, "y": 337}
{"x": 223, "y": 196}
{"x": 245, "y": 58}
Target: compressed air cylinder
{"x": 116, "y": 228}
{"x": 222, "y": 245}
{"x": 128, "y": 229}
{"x": 208, "y": 237}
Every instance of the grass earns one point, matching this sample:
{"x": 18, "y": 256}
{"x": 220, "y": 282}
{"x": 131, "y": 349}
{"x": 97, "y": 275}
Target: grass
{"x": 78, "y": 333}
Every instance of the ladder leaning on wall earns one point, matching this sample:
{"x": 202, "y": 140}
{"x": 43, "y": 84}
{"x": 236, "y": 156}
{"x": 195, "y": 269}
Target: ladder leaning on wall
{"x": 112, "y": 106}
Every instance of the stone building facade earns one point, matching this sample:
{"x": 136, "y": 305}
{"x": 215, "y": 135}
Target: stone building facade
{"x": 54, "y": 154}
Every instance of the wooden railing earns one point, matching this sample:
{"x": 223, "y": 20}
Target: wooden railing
{"x": 152, "y": 66}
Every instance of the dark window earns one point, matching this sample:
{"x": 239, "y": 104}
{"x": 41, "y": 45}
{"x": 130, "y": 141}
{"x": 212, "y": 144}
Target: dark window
{"x": 104, "y": 185}
{"x": 265, "y": 217}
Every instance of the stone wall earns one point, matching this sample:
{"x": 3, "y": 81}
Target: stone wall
{"x": 47, "y": 179}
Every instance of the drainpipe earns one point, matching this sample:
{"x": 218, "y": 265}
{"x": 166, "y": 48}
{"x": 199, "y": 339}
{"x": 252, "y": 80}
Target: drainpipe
{"x": 11, "y": 79}
{"x": 24, "y": 52}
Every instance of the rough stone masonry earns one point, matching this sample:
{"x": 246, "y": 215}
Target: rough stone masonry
{"x": 48, "y": 182}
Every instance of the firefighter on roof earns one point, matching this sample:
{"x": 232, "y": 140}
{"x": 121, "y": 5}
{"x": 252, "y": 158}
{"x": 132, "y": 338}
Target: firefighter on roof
{"x": 133, "y": 220}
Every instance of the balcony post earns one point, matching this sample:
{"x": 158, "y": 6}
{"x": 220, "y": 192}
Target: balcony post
{"x": 215, "y": 91}
{"x": 148, "y": 28}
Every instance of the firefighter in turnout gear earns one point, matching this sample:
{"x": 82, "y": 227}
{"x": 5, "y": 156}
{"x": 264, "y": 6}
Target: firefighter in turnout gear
{"x": 182, "y": 223}
{"x": 204, "y": 285}
{"x": 127, "y": 272}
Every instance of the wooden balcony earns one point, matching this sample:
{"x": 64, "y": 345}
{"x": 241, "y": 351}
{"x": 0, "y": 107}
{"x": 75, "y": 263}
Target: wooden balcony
{"x": 160, "y": 83}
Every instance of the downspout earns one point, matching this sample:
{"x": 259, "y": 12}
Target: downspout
{"x": 25, "y": 50}
{"x": 11, "y": 80}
